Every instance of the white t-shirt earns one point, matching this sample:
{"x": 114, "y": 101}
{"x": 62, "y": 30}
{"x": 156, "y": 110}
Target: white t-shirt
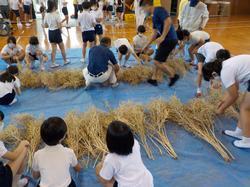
{"x": 98, "y": 14}
{"x": 236, "y": 70}
{"x": 86, "y": 21}
{"x": 32, "y": 49}
{"x": 128, "y": 171}
{"x": 27, "y": 2}
{"x": 196, "y": 36}
{"x": 53, "y": 163}
{"x": 123, "y": 41}
{"x": 64, "y": 3}
{"x": 111, "y": 2}
{"x": 7, "y": 87}
{"x": 139, "y": 41}
{"x": 52, "y": 19}
{"x": 14, "y": 4}
{"x": 3, "y": 149}
{"x": 79, "y": 2}
{"x": 209, "y": 50}
{"x": 11, "y": 51}
{"x": 101, "y": 4}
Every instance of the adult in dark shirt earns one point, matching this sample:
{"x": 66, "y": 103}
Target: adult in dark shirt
{"x": 166, "y": 39}
{"x": 102, "y": 67}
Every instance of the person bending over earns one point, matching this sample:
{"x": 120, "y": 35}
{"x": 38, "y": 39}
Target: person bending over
{"x": 205, "y": 54}
{"x": 53, "y": 162}
{"x": 123, "y": 165}
{"x": 11, "y": 52}
{"x": 234, "y": 72}
{"x": 166, "y": 39}
{"x": 102, "y": 67}
{"x": 125, "y": 49}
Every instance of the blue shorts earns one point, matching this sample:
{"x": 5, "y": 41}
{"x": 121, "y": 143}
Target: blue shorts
{"x": 110, "y": 8}
{"x": 55, "y": 36}
{"x": 120, "y": 9}
{"x": 6, "y": 175}
{"x": 16, "y": 12}
{"x": 65, "y": 11}
{"x": 26, "y": 9}
{"x": 98, "y": 29}
{"x": 88, "y": 36}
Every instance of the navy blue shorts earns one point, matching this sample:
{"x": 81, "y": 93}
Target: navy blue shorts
{"x": 110, "y": 8}
{"x": 65, "y": 11}
{"x": 104, "y": 7}
{"x": 7, "y": 99}
{"x": 120, "y": 9}
{"x": 55, "y": 36}
{"x": 80, "y": 8}
{"x": 98, "y": 29}
{"x": 88, "y": 36}
{"x": 248, "y": 88}
{"x": 16, "y": 12}
{"x": 26, "y": 9}
{"x": 6, "y": 175}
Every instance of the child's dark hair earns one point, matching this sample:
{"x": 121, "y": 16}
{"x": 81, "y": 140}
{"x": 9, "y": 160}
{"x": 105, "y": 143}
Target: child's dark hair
{"x": 86, "y": 5}
{"x": 13, "y": 70}
{"x": 141, "y": 29}
{"x": 222, "y": 55}
{"x": 146, "y": 3}
{"x": 94, "y": 2}
{"x": 123, "y": 49}
{"x": 209, "y": 68}
{"x": 105, "y": 41}
{"x": 180, "y": 35}
{"x": 186, "y": 33}
{"x": 33, "y": 40}
{"x": 51, "y": 4}
{"x": 53, "y": 130}
{"x": 7, "y": 77}
{"x": 119, "y": 138}
{"x": 11, "y": 39}
{"x": 1, "y": 116}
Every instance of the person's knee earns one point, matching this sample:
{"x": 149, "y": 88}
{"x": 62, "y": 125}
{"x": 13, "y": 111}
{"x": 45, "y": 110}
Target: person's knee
{"x": 157, "y": 63}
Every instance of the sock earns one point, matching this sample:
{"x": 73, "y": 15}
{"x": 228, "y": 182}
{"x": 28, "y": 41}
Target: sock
{"x": 238, "y": 130}
{"x": 199, "y": 90}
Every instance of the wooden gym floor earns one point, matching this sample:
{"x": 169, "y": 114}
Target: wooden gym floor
{"x": 232, "y": 32}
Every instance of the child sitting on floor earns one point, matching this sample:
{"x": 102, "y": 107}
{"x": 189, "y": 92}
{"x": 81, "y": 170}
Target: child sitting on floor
{"x": 52, "y": 163}
{"x": 140, "y": 40}
{"x": 125, "y": 49}
{"x": 123, "y": 166}
{"x": 35, "y": 52}
{"x": 10, "y": 173}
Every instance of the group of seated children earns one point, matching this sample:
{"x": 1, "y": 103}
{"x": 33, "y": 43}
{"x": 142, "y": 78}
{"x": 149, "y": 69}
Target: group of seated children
{"x": 122, "y": 166}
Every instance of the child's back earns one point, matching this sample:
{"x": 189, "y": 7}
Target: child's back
{"x": 140, "y": 41}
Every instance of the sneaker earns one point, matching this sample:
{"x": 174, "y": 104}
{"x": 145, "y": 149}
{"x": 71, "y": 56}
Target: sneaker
{"x": 115, "y": 85}
{"x": 152, "y": 82}
{"x": 27, "y": 24}
{"x": 244, "y": 144}
{"x": 173, "y": 80}
{"x": 42, "y": 68}
{"x": 19, "y": 25}
{"x": 198, "y": 94}
{"x": 66, "y": 62}
{"x": 54, "y": 65}
{"x": 13, "y": 102}
{"x": 233, "y": 134}
{"x": 82, "y": 60}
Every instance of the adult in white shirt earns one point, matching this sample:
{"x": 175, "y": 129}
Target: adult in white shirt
{"x": 235, "y": 72}
{"x": 52, "y": 21}
{"x": 140, "y": 14}
{"x": 11, "y": 52}
{"x": 205, "y": 54}
{"x": 87, "y": 23}
{"x": 193, "y": 40}
{"x": 194, "y": 16}
{"x": 53, "y": 162}
{"x": 125, "y": 49}
{"x": 123, "y": 166}
{"x": 4, "y": 9}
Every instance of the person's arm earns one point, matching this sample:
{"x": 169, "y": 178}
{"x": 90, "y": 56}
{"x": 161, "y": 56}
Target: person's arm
{"x": 150, "y": 41}
{"x": 20, "y": 55}
{"x": 101, "y": 179}
{"x": 205, "y": 18}
{"x": 36, "y": 174}
{"x": 78, "y": 167}
{"x": 230, "y": 97}
{"x": 5, "y": 56}
{"x": 167, "y": 25}
{"x": 12, "y": 155}
{"x": 113, "y": 61}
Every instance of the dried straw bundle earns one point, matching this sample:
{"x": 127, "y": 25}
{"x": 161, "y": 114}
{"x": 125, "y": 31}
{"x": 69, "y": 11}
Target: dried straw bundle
{"x": 10, "y": 135}
{"x": 30, "y": 79}
{"x": 158, "y": 113}
{"x": 133, "y": 115}
{"x": 197, "y": 117}
{"x": 135, "y": 75}
{"x": 179, "y": 66}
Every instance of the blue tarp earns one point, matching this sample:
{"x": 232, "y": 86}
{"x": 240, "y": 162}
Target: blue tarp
{"x": 198, "y": 163}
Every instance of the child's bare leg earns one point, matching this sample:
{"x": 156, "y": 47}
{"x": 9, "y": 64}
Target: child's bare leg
{"x": 84, "y": 46}
{"x": 18, "y": 163}
{"x": 62, "y": 48}
{"x": 53, "y": 53}
{"x": 245, "y": 115}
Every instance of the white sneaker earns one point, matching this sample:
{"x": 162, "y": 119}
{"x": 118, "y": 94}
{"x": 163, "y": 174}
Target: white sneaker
{"x": 19, "y": 25}
{"x": 54, "y": 65}
{"x": 27, "y": 24}
{"x": 13, "y": 102}
{"x": 82, "y": 60}
{"x": 42, "y": 67}
{"x": 66, "y": 62}
{"x": 115, "y": 85}
{"x": 234, "y": 134}
{"x": 244, "y": 143}
{"x": 22, "y": 182}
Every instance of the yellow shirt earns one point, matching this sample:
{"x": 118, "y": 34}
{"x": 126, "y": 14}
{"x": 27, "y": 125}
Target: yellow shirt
{"x": 74, "y": 1}
{"x": 181, "y": 7}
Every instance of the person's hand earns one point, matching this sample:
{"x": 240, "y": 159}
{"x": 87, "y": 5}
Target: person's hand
{"x": 219, "y": 110}
{"x": 198, "y": 95}
{"x": 159, "y": 41}
{"x": 15, "y": 57}
{"x": 25, "y": 143}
